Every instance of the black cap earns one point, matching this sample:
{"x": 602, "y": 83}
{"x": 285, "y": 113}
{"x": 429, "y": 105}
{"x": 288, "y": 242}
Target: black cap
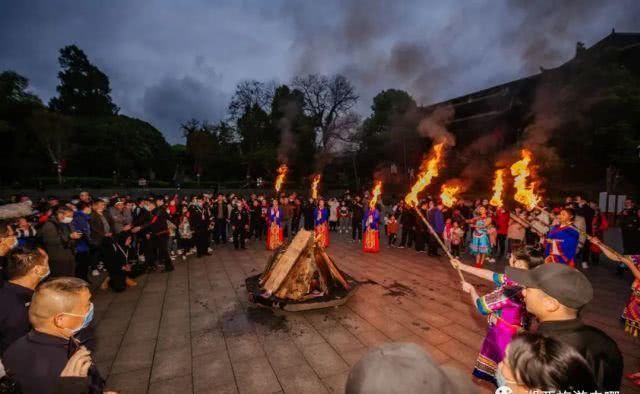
{"x": 566, "y": 284}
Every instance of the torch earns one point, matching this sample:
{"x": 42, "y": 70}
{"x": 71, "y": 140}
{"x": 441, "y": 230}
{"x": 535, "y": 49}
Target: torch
{"x": 428, "y": 170}
{"x": 377, "y": 190}
{"x": 282, "y": 173}
{"x": 448, "y": 195}
{"x": 526, "y": 195}
{"x": 498, "y": 187}
{"x": 314, "y": 186}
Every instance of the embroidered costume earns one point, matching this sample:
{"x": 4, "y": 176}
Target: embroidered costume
{"x": 371, "y": 223}
{"x": 275, "y": 233}
{"x": 321, "y": 226}
{"x": 480, "y": 243}
{"x": 561, "y": 245}
{"x": 507, "y": 313}
{"x": 631, "y": 313}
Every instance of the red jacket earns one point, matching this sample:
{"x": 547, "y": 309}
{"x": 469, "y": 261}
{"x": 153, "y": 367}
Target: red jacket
{"x": 502, "y": 222}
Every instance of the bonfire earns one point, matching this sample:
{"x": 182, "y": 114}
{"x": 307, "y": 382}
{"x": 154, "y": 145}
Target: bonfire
{"x": 301, "y": 276}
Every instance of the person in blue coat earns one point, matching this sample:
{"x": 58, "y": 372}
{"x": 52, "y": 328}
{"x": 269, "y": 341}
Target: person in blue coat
{"x": 436, "y": 220}
{"x": 80, "y": 224}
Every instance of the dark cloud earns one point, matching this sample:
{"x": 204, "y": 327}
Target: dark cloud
{"x": 169, "y": 61}
{"x": 174, "y": 100}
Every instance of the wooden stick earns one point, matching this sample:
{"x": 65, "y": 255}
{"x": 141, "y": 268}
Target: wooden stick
{"x": 434, "y": 234}
{"x": 524, "y": 222}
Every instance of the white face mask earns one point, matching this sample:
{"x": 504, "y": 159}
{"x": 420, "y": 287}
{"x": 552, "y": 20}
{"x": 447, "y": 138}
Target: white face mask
{"x": 67, "y": 220}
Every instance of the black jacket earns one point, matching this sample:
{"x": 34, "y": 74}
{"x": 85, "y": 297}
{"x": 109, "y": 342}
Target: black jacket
{"x": 600, "y": 351}
{"x": 215, "y": 207}
{"x": 14, "y": 313}
{"x": 199, "y": 218}
{"x": 357, "y": 210}
{"x": 159, "y": 226}
{"x": 98, "y": 229}
{"x": 36, "y": 360}
{"x": 239, "y": 218}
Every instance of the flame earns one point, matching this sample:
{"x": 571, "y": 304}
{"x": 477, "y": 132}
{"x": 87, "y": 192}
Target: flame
{"x": 377, "y": 190}
{"x": 520, "y": 170}
{"x": 498, "y": 187}
{"x": 282, "y": 173}
{"x": 429, "y": 169}
{"x": 314, "y": 186}
{"x": 448, "y": 195}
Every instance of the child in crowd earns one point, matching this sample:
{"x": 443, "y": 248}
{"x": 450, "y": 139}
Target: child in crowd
{"x": 185, "y": 241}
{"x": 457, "y": 235}
{"x": 392, "y": 230}
{"x": 25, "y": 233}
{"x": 344, "y": 217}
{"x": 446, "y": 234}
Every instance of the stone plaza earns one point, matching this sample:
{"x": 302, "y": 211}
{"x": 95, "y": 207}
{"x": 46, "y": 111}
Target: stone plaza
{"x": 195, "y": 331}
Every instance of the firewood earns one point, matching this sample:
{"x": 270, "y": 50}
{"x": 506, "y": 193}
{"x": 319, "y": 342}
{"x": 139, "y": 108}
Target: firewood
{"x": 335, "y": 273}
{"x": 287, "y": 261}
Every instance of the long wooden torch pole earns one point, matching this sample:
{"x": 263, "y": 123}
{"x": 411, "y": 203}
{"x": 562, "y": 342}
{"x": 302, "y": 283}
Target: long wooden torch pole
{"x": 437, "y": 237}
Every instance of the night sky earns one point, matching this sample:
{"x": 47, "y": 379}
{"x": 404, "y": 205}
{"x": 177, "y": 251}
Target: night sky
{"x": 169, "y": 61}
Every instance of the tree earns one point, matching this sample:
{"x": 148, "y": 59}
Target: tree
{"x": 13, "y": 89}
{"x": 259, "y": 140}
{"x": 53, "y": 131}
{"x": 84, "y": 89}
{"x": 251, "y": 93}
{"x": 329, "y": 102}
{"x": 212, "y": 150}
{"x": 297, "y": 141}
{"x": 389, "y": 133}
{"x": 130, "y": 147}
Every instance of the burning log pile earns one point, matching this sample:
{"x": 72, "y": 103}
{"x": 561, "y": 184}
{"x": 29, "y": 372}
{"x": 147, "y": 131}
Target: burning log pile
{"x": 301, "y": 276}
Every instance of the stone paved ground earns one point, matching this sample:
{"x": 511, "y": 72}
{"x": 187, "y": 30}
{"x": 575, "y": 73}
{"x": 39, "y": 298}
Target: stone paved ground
{"x": 193, "y": 330}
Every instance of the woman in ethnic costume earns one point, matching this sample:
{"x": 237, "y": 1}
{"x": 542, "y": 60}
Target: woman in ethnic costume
{"x": 371, "y": 239}
{"x": 275, "y": 234}
{"x": 321, "y": 223}
{"x": 631, "y": 312}
{"x": 505, "y": 308}
{"x": 561, "y": 242}
{"x": 480, "y": 245}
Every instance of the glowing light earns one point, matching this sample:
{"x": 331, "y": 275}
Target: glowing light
{"x": 520, "y": 170}
{"x": 377, "y": 190}
{"x": 498, "y": 187}
{"x": 282, "y": 173}
{"x": 314, "y": 186}
{"x": 448, "y": 195}
{"x": 428, "y": 170}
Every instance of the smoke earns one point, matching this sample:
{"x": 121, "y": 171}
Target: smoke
{"x": 287, "y": 140}
{"x": 436, "y": 51}
{"x": 548, "y": 32}
{"x": 434, "y": 126}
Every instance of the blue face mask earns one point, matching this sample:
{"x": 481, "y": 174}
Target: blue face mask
{"x": 86, "y": 319}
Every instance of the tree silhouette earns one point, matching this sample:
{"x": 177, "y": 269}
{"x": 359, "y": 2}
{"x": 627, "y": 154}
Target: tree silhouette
{"x": 84, "y": 89}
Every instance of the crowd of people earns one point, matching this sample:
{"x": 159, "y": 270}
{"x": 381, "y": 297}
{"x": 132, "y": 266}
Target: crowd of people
{"x": 50, "y": 256}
